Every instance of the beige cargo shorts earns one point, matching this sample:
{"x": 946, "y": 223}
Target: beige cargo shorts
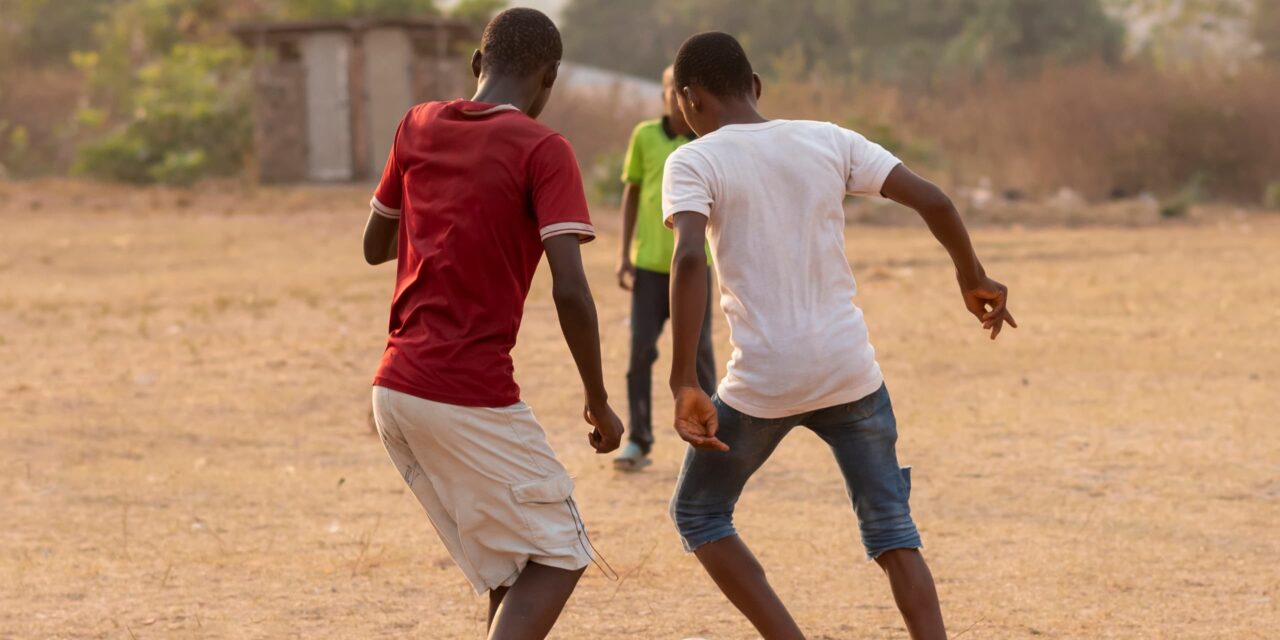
{"x": 490, "y": 484}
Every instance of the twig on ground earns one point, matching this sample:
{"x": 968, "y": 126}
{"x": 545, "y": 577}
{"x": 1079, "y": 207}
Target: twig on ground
{"x": 364, "y": 547}
{"x": 635, "y": 571}
{"x": 124, "y": 530}
{"x": 970, "y": 627}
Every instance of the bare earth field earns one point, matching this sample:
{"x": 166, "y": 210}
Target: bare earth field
{"x": 185, "y": 453}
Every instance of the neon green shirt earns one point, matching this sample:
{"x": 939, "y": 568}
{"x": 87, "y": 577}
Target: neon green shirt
{"x": 653, "y": 243}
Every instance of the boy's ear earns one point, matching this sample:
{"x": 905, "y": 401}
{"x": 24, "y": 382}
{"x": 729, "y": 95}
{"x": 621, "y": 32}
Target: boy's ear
{"x": 691, "y": 98}
{"x": 476, "y": 60}
{"x": 759, "y": 86}
{"x": 549, "y": 77}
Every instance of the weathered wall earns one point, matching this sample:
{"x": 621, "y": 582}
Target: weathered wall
{"x": 280, "y": 120}
{"x": 360, "y": 82}
{"x": 439, "y": 72}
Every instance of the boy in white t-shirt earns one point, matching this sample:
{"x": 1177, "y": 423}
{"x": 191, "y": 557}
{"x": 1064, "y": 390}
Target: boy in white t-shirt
{"x": 769, "y": 194}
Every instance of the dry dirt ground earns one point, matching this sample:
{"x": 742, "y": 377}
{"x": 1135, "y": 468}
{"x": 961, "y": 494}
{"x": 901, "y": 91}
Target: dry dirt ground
{"x": 184, "y": 450}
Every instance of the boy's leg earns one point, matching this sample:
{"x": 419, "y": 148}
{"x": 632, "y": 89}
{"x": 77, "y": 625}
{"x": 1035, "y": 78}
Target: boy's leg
{"x": 863, "y": 435}
{"x": 702, "y": 507}
{"x": 706, "y": 350}
{"x": 530, "y": 608}
{"x": 649, "y": 307}
{"x": 914, "y": 592}
{"x": 521, "y": 523}
{"x": 495, "y": 599}
{"x": 741, "y": 578}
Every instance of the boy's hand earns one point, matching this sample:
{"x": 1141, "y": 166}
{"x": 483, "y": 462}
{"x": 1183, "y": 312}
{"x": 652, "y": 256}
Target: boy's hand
{"x": 626, "y": 273}
{"x": 988, "y": 301}
{"x": 607, "y": 434}
{"x": 696, "y": 420}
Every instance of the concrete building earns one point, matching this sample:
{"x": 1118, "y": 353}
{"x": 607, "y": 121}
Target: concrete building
{"x": 329, "y": 94}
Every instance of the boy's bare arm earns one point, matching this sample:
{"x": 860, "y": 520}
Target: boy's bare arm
{"x": 381, "y": 235}
{"x": 630, "y": 209}
{"x": 985, "y": 298}
{"x": 577, "y": 311}
{"x": 695, "y": 415}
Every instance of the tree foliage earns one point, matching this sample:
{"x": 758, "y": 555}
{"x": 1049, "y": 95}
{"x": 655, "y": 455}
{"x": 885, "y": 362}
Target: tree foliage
{"x": 1191, "y": 34}
{"x": 1266, "y": 30}
{"x": 169, "y": 88}
{"x": 45, "y": 32}
{"x": 899, "y": 40}
{"x": 313, "y": 9}
{"x": 189, "y": 120}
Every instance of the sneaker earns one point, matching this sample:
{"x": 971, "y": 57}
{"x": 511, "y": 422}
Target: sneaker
{"x": 632, "y": 458}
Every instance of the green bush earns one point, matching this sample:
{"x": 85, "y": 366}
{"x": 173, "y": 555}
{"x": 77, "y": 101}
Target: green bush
{"x": 1179, "y": 206}
{"x": 118, "y": 157}
{"x": 909, "y": 149}
{"x": 1271, "y": 199}
{"x": 311, "y": 9}
{"x": 190, "y": 120}
{"x": 15, "y": 144}
{"x": 604, "y": 185}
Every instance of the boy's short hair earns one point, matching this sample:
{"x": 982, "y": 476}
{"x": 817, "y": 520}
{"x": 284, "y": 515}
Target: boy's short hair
{"x": 716, "y": 62}
{"x": 519, "y": 42}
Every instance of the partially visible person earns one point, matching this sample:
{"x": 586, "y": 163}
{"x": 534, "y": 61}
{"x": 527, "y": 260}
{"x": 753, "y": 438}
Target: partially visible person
{"x": 473, "y": 193}
{"x": 770, "y": 195}
{"x": 644, "y": 269}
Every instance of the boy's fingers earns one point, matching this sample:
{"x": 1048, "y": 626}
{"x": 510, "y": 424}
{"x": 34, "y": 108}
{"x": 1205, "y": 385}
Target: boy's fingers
{"x": 713, "y": 444}
{"x": 1009, "y": 318}
{"x": 701, "y": 438}
{"x": 698, "y": 440}
{"x": 711, "y": 426}
{"x": 995, "y": 329}
{"x": 997, "y": 308}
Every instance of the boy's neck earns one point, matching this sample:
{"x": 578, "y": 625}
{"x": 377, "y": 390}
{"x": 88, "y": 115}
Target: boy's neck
{"x": 503, "y": 90}
{"x": 739, "y": 112}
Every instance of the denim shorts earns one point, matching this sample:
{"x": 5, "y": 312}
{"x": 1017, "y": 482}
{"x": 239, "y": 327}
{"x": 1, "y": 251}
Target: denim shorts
{"x": 862, "y": 436}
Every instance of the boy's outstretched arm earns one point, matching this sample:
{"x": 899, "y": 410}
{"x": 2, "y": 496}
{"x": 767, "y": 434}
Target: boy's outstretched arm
{"x": 381, "y": 235}
{"x": 577, "y": 311}
{"x": 695, "y": 414}
{"x": 985, "y": 298}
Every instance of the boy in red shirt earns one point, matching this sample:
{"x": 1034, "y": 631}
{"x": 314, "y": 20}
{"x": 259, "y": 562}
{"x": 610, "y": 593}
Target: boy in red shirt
{"x": 473, "y": 192}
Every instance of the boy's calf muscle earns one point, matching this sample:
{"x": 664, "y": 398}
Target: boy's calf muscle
{"x": 741, "y": 577}
{"x": 914, "y": 593}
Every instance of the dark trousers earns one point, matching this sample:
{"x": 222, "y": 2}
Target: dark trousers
{"x": 650, "y": 309}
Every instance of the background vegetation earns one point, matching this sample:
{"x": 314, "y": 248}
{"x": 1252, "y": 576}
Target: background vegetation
{"x": 1105, "y": 97}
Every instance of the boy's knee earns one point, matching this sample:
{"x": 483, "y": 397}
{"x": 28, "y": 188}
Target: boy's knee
{"x": 699, "y": 525}
{"x": 895, "y": 559}
{"x": 891, "y": 543}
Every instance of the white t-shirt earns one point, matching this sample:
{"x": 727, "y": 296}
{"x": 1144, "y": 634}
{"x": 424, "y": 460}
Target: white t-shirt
{"x": 774, "y": 194}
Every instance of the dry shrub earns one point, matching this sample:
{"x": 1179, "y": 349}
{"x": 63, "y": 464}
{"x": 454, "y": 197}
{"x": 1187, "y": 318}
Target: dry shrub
{"x": 598, "y": 124}
{"x": 35, "y": 108}
{"x": 1094, "y": 129}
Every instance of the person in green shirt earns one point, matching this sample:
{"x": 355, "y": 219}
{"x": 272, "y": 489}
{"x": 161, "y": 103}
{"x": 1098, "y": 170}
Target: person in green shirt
{"x": 645, "y": 267}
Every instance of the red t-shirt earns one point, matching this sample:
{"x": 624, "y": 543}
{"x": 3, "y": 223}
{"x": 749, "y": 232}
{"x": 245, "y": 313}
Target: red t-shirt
{"x": 477, "y": 188}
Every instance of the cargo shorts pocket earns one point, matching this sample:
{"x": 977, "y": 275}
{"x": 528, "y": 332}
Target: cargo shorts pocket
{"x": 545, "y": 506}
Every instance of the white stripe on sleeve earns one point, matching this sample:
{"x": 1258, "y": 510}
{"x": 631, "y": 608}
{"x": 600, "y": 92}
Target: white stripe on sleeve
{"x": 584, "y": 231}
{"x": 383, "y": 210}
